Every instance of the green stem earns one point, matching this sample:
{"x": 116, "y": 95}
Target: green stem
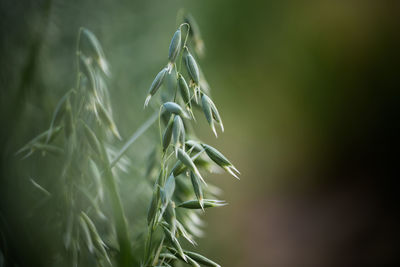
{"x": 142, "y": 129}
{"x": 125, "y": 257}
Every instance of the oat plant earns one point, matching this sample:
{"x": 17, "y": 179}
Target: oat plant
{"x": 180, "y": 192}
{"x": 82, "y": 135}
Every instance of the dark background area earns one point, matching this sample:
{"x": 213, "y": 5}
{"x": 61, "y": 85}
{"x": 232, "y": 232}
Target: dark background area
{"x": 309, "y": 94}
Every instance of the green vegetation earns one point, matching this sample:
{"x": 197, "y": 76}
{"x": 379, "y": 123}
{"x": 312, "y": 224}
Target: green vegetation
{"x": 82, "y": 136}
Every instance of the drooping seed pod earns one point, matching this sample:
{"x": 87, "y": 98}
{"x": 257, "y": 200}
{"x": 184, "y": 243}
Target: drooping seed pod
{"x": 167, "y": 135}
{"x": 178, "y": 168}
{"x": 192, "y": 262}
{"x": 207, "y": 203}
{"x": 168, "y": 256}
{"x": 97, "y": 51}
{"x": 155, "y": 85}
{"x": 208, "y": 112}
{"x": 177, "y": 247}
{"x": 90, "y": 73}
{"x": 170, "y": 217}
{"x": 221, "y": 160}
{"x": 164, "y": 200}
{"x": 46, "y": 148}
{"x": 186, "y": 259}
{"x": 187, "y": 161}
{"x": 57, "y": 115}
{"x": 85, "y": 228}
{"x": 97, "y": 241}
{"x": 184, "y": 89}
{"x": 201, "y": 259}
{"x": 174, "y": 108}
{"x": 197, "y": 188}
{"x": 178, "y": 132}
{"x": 175, "y": 46}
{"x": 95, "y": 174}
{"x": 54, "y": 132}
{"x": 194, "y": 145}
{"x": 191, "y": 66}
{"x": 171, "y": 82}
{"x": 182, "y": 232}
{"x": 169, "y": 187}
{"x": 91, "y": 138}
{"x": 105, "y": 118}
{"x": 211, "y": 113}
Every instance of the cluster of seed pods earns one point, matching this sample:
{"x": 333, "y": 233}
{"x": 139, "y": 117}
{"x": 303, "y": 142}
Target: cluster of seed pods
{"x": 184, "y": 157}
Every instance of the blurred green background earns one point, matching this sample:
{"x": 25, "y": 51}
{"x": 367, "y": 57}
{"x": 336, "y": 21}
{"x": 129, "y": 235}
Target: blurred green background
{"x": 308, "y": 91}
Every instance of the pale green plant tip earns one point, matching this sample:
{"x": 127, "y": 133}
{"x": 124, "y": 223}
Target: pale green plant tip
{"x": 107, "y": 120}
{"x": 178, "y": 133}
{"x": 191, "y": 66}
{"x": 175, "y": 46}
{"x": 170, "y": 217}
{"x": 53, "y": 133}
{"x": 182, "y": 231}
{"x": 168, "y": 256}
{"x": 192, "y": 262}
{"x": 207, "y": 203}
{"x": 88, "y": 237}
{"x": 56, "y": 114}
{"x": 172, "y": 239}
{"x": 197, "y": 189}
{"x": 100, "y": 58}
{"x": 201, "y": 259}
{"x": 170, "y": 187}
{"x": 206, "y": 105}
{"x": 221, "y": 160}
{"x": 211, "y": 113}
{"x": 188, "y": 162}
{"x": 155, "y": 85}
{"x": 40, "y": 188}
{"x": 167, "y": 135}
{"x": 174, "y": 108}
{"x": 91, "y": 138}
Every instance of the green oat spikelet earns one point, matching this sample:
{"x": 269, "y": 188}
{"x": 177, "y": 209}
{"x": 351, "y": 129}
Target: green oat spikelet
{"x": 155, "y": 85}
{"x": 207, "y": 203}
{"x": 178, "y": 133}
{"x": 174, "y": 108}
{"x": 201, "y": 259}
{"x": 98, "y": 51}
{"x": 191, "y": 66}
{"x": 211, "y": 113}
{"x": 107, "y": 120}
{"x": 221, "y": 160}
{"x": 197, "y": 188}
{"x": 187, "y": 161}
{"x": 167, "y": 135}
{"x": 174, "y": 48}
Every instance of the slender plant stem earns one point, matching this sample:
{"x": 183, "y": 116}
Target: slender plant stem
{"x": 142, "y": 129}
{"x": 125, "y": 257}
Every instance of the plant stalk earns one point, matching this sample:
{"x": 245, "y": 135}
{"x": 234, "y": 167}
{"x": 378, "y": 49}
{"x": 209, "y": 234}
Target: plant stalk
{"x": 125, "y": 257}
